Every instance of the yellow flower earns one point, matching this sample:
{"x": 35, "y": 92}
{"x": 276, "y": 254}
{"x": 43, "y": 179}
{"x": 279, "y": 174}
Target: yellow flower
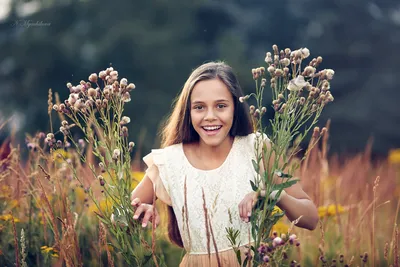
{"x": 5, "y": 191}
{"x": 394, "y": 156}
{"x": 136, "y": 177}
{"x": 330, "y": 210}
{"x": 8, "y": 217}
{"x": 46, "y": 249}
{"x": 276, "y": 210}
{"x": 55, "y": 256}
{"x": 280, "y": 227}
{"x": 60, "y": 155}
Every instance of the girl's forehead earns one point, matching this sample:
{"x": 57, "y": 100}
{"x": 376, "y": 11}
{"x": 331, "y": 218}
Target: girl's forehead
{"x": 210, "y": 90}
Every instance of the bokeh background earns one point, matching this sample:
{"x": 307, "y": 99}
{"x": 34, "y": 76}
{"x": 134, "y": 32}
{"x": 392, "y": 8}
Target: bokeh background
{"x": 155, "y": 44}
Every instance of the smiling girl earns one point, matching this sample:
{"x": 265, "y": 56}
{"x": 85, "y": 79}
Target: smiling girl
{"x": 207, "y": 148}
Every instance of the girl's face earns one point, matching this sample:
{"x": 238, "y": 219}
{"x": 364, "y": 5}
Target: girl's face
{"x": 211, "y": 111}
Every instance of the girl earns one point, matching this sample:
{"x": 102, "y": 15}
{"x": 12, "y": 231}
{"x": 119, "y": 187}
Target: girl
{"x": 207, "y": 147}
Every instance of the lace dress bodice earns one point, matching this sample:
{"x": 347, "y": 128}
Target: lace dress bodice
{"x": 176, "y": 179}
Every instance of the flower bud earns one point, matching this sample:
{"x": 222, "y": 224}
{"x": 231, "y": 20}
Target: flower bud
{"x": 305, "y": 53}
{"x": 98, "y": 102}
{"x": 102, "y": 169}
{"x": 124, "y": 120}
{"x": 252, "y": 108}
{"x": 92, "y": 93}
{"x": 271, "y": 69}
{"x": 268, "y": 58}
{"x": 277, "y": 241}
{"x": 329, "y": 74}
{"x": 130, "y": 86}
{"x": 278, "y": 72}
{"x": 123, "y": 82}
{"x": 93, "y": 78}
{"x": 116, "y": 154}
{"x": 126, "y": 97}
{"x": 56, "y": 108}
{"x": 285, "y": 62}
{"x": 69, "y": 85}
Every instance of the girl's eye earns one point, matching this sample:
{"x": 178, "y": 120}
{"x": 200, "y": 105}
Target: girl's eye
{"x": 221, "y": 106}
{"x": 198, "y": 107}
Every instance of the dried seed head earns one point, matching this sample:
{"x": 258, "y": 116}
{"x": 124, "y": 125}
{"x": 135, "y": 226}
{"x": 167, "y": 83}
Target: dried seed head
{"x": 124, "y": 120}
{"x": 297, "y": 83}
{"x": 305, "y": 53}
{"x": 263, "y": 82}
{"x": 263, "y": 110}
{"x": 285, "y": 62}
{"x": 64, "y": 123}
{"x": 109, "y": 70}
{"x": 56, "y": 108}
{"x": 271, "y": 69}
{"x": 124, "y": 131}
{"x": 329, "y": 74}
{"x": 316, "y": 132}
{"x": 98, "y": 102}
{"x": 116, "y": 154}
{"x": 92, "y": 93}
{"x": 93, "y": 78}
{"x": 241, "y": 99}
{"x": 319, "y": 60}
{"x": 130, "y": 86}
{"x": 255, "y": 74}
{"x": 126, "y": 97}
{"x": 286, "y": 70}
{"x": 324, "y": 130}
{"x": 252, "y": 109}
{"x": 262, "y": 70}
{"x": 309, "y": 71}
{"x": 105, "y": 103}
{"x": 268, "y": 58}
{"x": 69, "y": 85}
{"x": 123, "y": 82}
{"x": 102, "y": 169}
{"x": 278, "y": 72}
{"x": 275, "y": 48}
{"x": 275, "y": 102}
{"x": 287, "y": 52}
{"x": 102, "y": 74}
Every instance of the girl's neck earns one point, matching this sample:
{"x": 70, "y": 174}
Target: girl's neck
{"x": 205, "y": 151}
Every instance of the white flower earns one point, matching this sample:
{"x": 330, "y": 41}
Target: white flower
{"x": 330, "y": 73}
{"x": 277, "y": 241}
{"x": 297, "y": 83}
{"x": 125, "y": 120}
{"x": 116, "y": 153}
{"x": 305, "y": 53}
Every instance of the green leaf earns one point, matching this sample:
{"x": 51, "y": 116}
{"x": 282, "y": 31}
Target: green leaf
{"x": 285, "y": 184}
{"x": 245, "y": 262}
{"x": 238, "y": 256}
{"x": 255, "y": 165}
{"x": 253, "y": 186}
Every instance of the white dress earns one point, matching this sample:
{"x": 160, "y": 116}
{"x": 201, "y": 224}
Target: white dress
{"x": 224, "y": 188}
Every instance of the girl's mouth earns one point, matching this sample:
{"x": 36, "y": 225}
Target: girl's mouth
{"x": 211, "y": 130}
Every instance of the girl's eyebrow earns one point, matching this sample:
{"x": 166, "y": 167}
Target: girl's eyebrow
{"x": 219, "y": 100}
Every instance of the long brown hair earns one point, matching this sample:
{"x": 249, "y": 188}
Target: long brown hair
{"x": 178, "y": 128}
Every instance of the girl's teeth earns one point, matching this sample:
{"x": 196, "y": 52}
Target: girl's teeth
{"x": 211, "y": 128}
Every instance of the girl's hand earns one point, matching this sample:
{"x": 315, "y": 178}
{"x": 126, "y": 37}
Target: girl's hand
{"x": 248, "y": 202}
{"x": 148, "y": 210}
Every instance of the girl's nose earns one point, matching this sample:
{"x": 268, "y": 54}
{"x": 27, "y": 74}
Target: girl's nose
{"x": 210, "y": 116}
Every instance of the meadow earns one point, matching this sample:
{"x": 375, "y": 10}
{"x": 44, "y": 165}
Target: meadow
{"x": 357, "y": 198}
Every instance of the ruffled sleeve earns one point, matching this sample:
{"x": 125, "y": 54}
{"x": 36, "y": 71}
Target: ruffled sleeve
{"x": 157, "y": 172}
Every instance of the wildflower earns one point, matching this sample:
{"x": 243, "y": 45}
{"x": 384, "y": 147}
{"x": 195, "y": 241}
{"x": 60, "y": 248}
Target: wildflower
{"x": 268, "y": 58}
{"x": 394, "y": 156}
{"x": 102, "y": 169}
{"x": 124, "y": 120}
{"x": 92, "y": 93}
{"x": 123, "y": 82}
{"x": 126, "y": 97}
{"x": 278, "y": 72}
{"x": 102, "y": 74}
{"x": 297, "y": 83}
{"x": 263, "y": 110}
{"x": 255, "y": 74}
{"x": 292, "y": 238}
{"x": 130, "y": 87}
{"x": 124, "y": 131}
{"x": 263, "y": 82}
{"x": 101, "y": 180}
{"x": 329, "y": 74}
{"x": 266, "y": 258}
{"x": 271, "y": 69}
{"x": 116, "y": 153}
{"x": 31, "y": 146}
{"x": 8, "y": 217}
{"x": 275, "y": 48}
{"x": 285, "y": 62}
{"x": 81, "y": 143}
{"x": 93, "y": 78}
{"x": 69, "y": 85}
{"x": 59, "y": 143}
{"x": 277, "y": 241}
{"x": 131, "y": 145}
{"x": 287, "y": 51}
{"x": 105, "y": 103}
{"x": 305, "y": 53}
{"x": 309, "y": 71}
{"x": 98, "y": 102}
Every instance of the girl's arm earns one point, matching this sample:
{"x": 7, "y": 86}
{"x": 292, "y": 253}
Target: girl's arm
{"x": 293, "y": 200}
{"x": 144, "y": 191}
